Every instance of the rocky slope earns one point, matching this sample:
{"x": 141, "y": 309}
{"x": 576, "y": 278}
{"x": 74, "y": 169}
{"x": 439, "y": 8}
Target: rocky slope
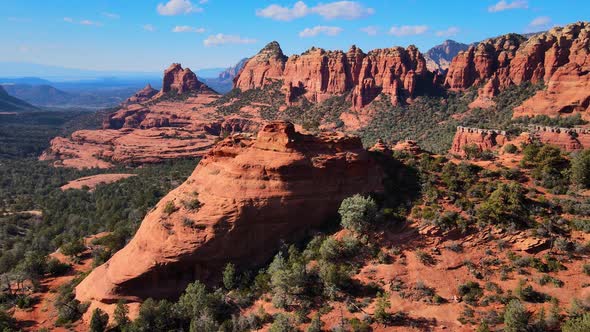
{"x": 318, "y": 74}
{"x": 244, "y": 197}
{"x": 559, "y": 58}
{"x": 440, "y": 56}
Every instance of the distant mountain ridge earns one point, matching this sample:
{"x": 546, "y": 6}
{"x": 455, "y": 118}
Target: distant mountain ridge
{"x": 223, "y": 83}
{"x": 9, "y": 103}
{"x": 440, "y": 56}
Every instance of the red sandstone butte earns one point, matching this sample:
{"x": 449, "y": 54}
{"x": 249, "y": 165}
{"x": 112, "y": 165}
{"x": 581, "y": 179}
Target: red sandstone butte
{"x": 253, "y": 194}
{"x": 318, "y": 74}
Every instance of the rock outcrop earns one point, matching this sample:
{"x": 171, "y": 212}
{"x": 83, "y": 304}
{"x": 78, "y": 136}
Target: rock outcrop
{"x": 567, "y": 139}
{"x": 559, "y": 58}
{"x": 486, "y": 60}
{"x": 242, "y": 200}
{"x": 181, "y": 81}
{"x": 141, "y": 96}
{"x": 318, "y": 74}
{"x": 262, "y": 69}
{"x": 483, "y": 139}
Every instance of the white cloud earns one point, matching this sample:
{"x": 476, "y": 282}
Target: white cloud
{"x": 334, "y": 10}
{"x": 449, "y": 32}
{"x": 222, "y": 39}
{"x": 280, "y": 13}
{"x": 82, "y": 22}
{"x": 408, "y": 30}
{"x": 112, "y": 16}
{"x": 349, "y": 10}
{"x": 186, "y": 28}
{"x": 178, "y": 7}
{"x": 541, "y": 21}
{"x": 370, "y": 30}
{"x": 149, "y": 27}
{"x": 320, "y": 29}
{"x": 505, "y": 5}
{"x": 89, "y": 22}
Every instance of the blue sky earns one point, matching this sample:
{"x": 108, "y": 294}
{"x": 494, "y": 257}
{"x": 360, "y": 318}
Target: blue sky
{"x": 148, "y": 35}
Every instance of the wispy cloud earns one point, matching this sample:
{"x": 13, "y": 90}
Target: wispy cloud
{"x": 222, "y": 39}
{"x": 149, "y": 27}
{"x": 178, "y": 7}
{"x": 370, "y": 30}
{"x": 408, "y": 30}
{"x": 186, "y": 28}
{"x": 82, "y": 22}
{"x": 320, "y": 29}
{"x": 506, "y": 5}
{"x": 348, "y": 10}
{"x": 539, "y": 23}
{"x": 449, "y": 32}
{"x": 111, "y": 16}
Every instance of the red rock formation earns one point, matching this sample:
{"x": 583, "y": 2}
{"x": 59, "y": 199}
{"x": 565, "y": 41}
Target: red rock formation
{"x": 318, "y": 74}
{"x": 141, "y": 96}
{"x": 568, "y": 139}
{"x": 409, "y": 146}
{"x": 481, "y": 62}
{"x": 560, "y": 58}
{"x": 567, "y": 93}
{"x": 253, "y": 193}
{"x": 181, "y": 81}
{"x": 262, "y": 69}
{"x": 484, "y": 139}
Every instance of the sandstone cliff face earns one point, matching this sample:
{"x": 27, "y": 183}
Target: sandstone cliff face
{"x": 262, "y": 69}
{"x": 483, "y": 61}
{"x": 560, "y": 58}
{"x": 319, "y": 74}
{"x": 484, "y": 139}
{"x": 252, "y": 193}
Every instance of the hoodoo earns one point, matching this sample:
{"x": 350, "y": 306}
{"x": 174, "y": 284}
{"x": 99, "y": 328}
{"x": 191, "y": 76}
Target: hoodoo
{"x": 244, "y": 198}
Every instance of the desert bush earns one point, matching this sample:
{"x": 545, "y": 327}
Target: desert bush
{"x": 358, "y": 213}
{"x": 516, "y": 318}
